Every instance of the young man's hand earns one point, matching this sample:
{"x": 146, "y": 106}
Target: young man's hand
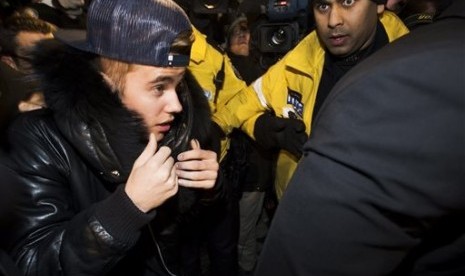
{"x": 153, "y": 177}
{"x": 197, "y": 168}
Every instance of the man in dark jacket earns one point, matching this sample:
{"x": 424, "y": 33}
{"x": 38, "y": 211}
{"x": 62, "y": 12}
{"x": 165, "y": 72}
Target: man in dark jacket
{"x": 380, "y": 190}
{"x": 106, "y": 171}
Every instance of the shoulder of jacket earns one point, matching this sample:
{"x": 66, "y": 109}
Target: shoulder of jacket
{"x": 307, "y": 54}
{"x": 204, "y": 47}
{"x": 393, "y": 25}
{"x": 33, "y": 133}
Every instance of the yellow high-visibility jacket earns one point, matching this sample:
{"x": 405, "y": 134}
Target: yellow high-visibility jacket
{"x": 299, "y": 70}
{"x": 205, "y": 63}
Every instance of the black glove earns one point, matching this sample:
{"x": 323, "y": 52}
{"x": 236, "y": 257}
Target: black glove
{"x": 272, "y": 132}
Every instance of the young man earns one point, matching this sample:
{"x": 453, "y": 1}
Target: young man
{"x": 380, "y": 189}
{"x": 278, "y": 108}
{"x": 103, "y": 166}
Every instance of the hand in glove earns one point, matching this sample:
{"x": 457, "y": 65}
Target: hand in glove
{"x": 273, "y": 132}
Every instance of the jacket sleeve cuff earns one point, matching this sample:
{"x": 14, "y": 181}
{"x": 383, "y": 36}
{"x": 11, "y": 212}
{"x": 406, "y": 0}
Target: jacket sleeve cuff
{"x": 121, "y": 218}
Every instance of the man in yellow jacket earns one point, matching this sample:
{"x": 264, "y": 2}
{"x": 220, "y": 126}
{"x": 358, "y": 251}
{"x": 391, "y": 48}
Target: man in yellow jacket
{"x": 278, "y": 108}
{"x": 213, "y": 70}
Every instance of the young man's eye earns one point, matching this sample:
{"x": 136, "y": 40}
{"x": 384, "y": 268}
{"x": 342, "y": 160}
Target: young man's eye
{"x": 159, "y": 88}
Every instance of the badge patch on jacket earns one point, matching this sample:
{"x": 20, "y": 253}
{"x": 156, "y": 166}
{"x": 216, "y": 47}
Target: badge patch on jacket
{"x": 294, "y": 108}
{"x": 208, "y": 94}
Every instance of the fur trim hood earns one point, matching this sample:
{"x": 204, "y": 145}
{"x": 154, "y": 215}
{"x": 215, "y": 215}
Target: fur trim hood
{"x": 93, "y": 119}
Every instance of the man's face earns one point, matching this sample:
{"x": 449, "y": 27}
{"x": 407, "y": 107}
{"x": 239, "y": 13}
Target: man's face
{"x": 346, "y": 26}
{"x": 25, "y": 42}
{"x": 239, "y": 41}
{"x": 151, "y": 92}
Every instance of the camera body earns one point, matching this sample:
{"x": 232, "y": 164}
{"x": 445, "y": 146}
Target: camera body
{"x": 287, "y": 22}
{"x": 277, "y": 37}
{"x": 280, "y": 25}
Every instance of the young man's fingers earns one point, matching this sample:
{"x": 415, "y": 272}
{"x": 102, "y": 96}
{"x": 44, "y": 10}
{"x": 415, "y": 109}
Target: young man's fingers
{"x": 204, "y": 184}
{"x": 195, "y": 144}
{"x": 197, "y": 165}
{"x": 197, "y": 154}
{"x": 148, "y": 152}
{"x": 197, "y": 175}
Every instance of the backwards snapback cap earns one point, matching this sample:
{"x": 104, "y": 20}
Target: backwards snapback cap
{"x": 133, "y": 31}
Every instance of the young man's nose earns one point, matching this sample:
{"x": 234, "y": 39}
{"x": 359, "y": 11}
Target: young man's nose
{"x": 173, "y": 103}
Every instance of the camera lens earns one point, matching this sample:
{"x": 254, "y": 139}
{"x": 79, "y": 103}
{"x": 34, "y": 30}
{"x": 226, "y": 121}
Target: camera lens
{"x": 279, "y": 37}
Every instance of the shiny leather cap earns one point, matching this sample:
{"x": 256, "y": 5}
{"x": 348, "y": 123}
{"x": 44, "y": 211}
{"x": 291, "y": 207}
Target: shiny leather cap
{"x": 133, "y": 31}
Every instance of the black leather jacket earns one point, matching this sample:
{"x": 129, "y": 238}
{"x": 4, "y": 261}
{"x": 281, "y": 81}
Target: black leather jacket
{"x": 73, "y": 159}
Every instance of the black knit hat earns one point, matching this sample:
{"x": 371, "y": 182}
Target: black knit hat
{"x": 134, "y": 31}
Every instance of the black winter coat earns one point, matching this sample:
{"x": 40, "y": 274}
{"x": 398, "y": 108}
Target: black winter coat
{"x": 73, "y": 160}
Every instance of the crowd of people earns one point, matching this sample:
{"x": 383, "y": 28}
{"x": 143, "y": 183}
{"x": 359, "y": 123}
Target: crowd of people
{"x": 132, "y": 143}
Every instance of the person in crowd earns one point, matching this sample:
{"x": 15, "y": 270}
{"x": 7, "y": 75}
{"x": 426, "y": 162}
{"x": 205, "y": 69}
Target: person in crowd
{"x": 106, "y": 170}
{"x": 18, "y": 93}
{"x": 279, "y": 107}
{"x": 62, "y": 13}
{"x": 255, "y": 173}
{"x": 380, "y": 190}
{"x": 238, "y": 48}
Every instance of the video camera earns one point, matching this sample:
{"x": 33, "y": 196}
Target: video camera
{"x": 287, "y": 21}
{"x": 283, "y": 22}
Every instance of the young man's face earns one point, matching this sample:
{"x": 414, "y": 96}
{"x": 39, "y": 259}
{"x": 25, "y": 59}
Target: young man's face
{"x": 346, "y": 26}
{"x": 151, "y": 92}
